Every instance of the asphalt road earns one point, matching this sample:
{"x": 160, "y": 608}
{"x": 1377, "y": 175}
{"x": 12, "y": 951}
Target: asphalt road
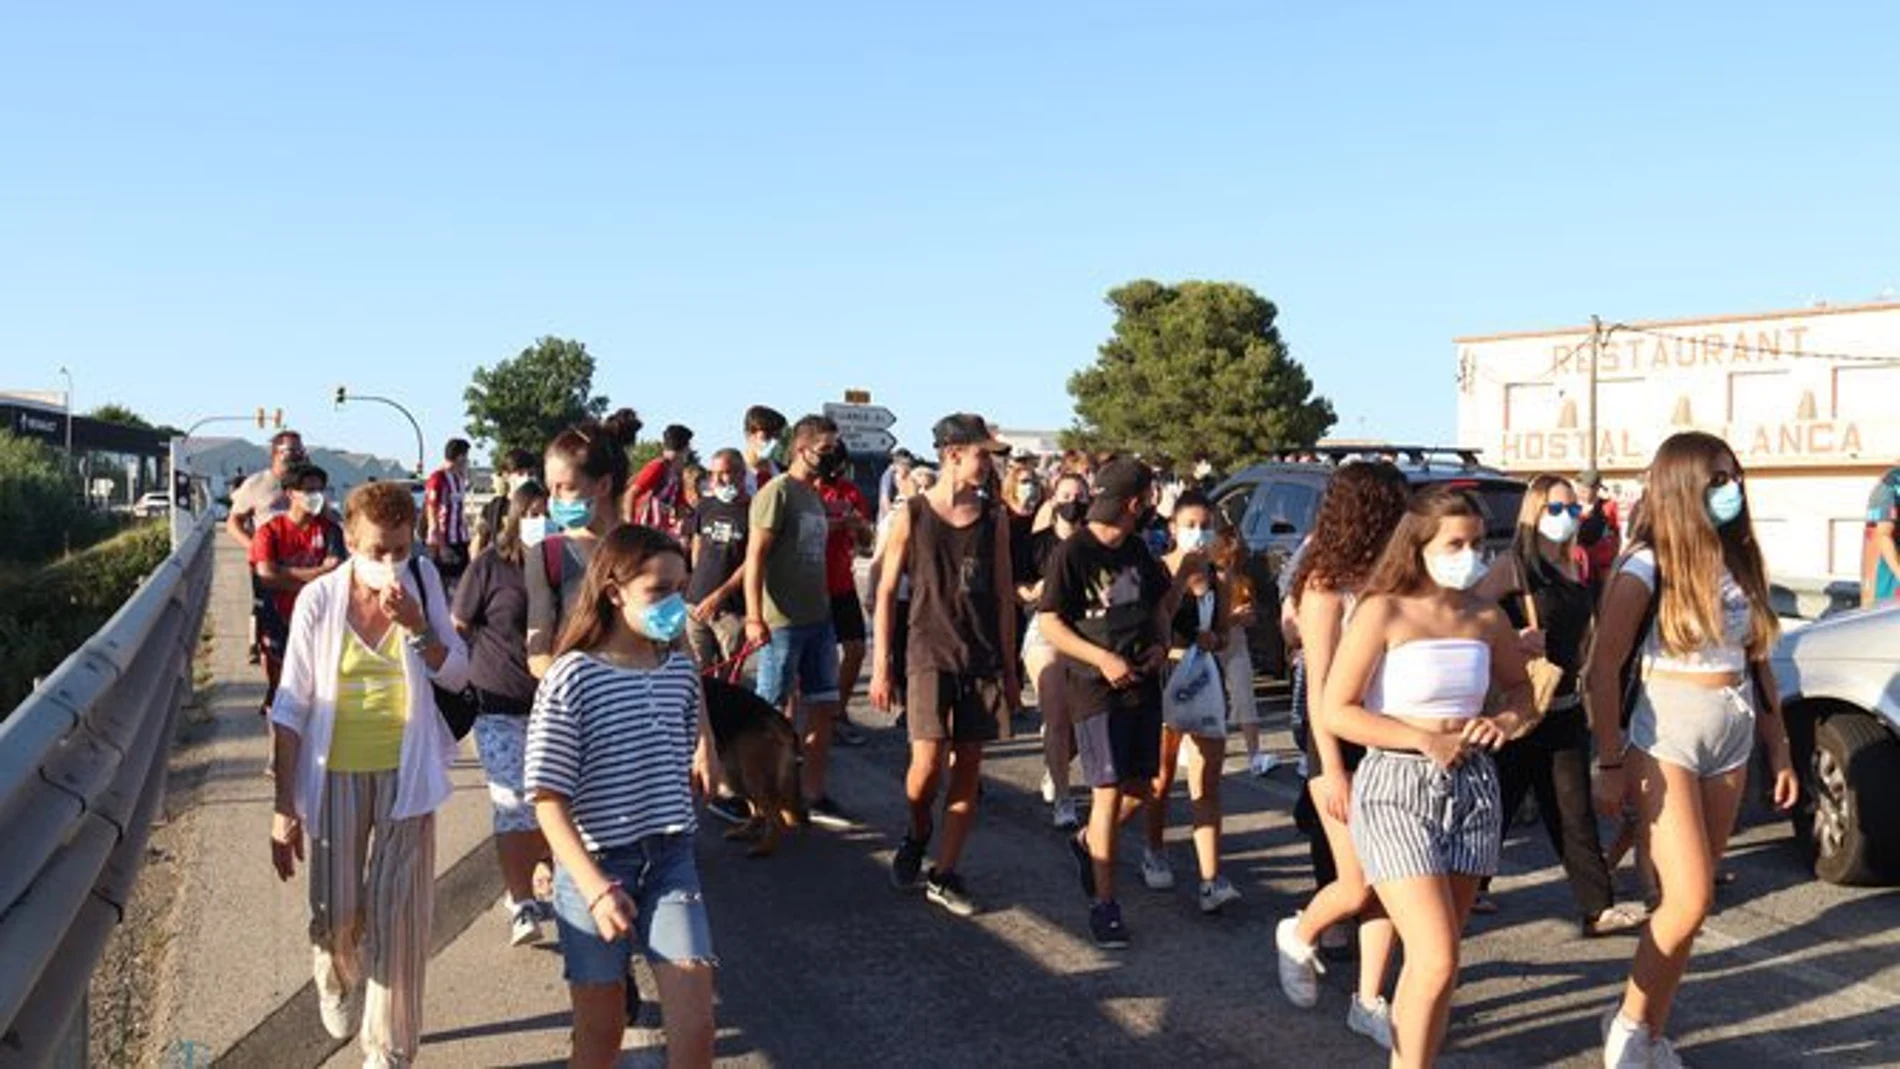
{"x": 823, "y": 964}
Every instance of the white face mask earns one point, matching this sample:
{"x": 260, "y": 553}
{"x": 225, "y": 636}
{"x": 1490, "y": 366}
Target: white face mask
{"x": 1558, "y": 528}
{"x": 725, "y": 494}
{"x": 313, "y": 501}
{"x": 378, "y": 574}
{"x": 534, "y": 530}
{"x": 1455, "y": 571}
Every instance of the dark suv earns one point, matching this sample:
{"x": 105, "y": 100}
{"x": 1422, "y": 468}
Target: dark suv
{"x": 1275, "y": 504}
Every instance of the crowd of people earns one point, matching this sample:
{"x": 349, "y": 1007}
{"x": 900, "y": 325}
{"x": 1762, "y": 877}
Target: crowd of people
{"x": 1437, "y": 683}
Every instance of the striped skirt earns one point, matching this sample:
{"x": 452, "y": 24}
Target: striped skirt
{"x": 1412, "y": 818}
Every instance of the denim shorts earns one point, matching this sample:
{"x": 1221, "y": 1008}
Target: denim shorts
{"x": 804, "y": 657}
{"x": 502, "y": 741}
{"x": 669, "y": 923}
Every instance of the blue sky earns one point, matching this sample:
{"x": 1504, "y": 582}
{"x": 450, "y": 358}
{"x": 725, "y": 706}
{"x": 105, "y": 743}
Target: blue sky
{"x": 206, "y": 209}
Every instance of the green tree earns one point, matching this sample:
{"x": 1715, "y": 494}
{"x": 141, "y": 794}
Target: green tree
{"x": 118, "y": 413}
{"x": 1197, "y": 369}
{"x": 524, "y": 402}
{"x": 39, "y": 501}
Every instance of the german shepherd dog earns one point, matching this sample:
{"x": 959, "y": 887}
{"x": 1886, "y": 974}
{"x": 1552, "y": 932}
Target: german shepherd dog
{"x": 759, "y": 752}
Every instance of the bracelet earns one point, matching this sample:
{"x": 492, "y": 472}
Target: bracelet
{"x": 612, "y": 886}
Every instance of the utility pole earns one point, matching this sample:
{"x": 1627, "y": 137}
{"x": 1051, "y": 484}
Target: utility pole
{"x": 1596, "y": 351}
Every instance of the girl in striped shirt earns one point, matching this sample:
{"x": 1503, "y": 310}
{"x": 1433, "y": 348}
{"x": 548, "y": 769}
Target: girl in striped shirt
{"x": 618, "y": 750}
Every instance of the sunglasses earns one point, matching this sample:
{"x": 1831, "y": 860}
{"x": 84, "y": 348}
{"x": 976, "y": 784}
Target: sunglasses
{"x": 1556, "y": 508}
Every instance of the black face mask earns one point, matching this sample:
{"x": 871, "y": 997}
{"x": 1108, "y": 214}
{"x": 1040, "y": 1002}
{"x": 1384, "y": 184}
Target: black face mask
{"x": 1072, "y": 512}
{"x": 831, "y": 463}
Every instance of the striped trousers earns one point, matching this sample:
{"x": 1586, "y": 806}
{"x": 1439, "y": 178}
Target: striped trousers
{"x": 1411, "y": 818}
{"x": 372, "y": 898}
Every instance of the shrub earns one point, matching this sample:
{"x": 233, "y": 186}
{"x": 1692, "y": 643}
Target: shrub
{"x": 47, "y": 613}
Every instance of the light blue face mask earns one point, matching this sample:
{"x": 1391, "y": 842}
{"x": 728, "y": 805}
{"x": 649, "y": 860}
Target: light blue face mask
{"x": 664, "y": 620}
{"x": 1196, "y": 541}
{"x": 1725, "y": 502}
{"x": 568, "y": 515}
{"x": 726, "y": 494}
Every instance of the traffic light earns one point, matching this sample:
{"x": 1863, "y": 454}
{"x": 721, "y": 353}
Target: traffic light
{"x": 260, "y": 417}
{"x": 277, "y": 419}
{"x": 181, "y": 490}
{"x": 342, "y": 395}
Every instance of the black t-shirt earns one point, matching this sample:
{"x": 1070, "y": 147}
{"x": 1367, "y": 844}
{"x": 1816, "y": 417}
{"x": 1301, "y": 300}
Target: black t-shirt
{"x": 492, "y": 599}
{"x": 1108, "y": 595}
{"x": 1021, "y": 543}
{"x": 721, "y": 527}
{"x": 1034, "y": 564}
{"x": 1565, "y": 608}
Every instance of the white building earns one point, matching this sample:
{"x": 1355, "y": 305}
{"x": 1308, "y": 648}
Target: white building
{"x": 1808, "y": 400}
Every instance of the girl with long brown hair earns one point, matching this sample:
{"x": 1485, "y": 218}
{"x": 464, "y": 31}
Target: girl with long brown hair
{"x": 1409, "y": 683}
{"x": 619, "y": 752}
{"x": 1689, "y": 603}
{"x": 1363, "y": 504}
{"x": 587, "y": 473}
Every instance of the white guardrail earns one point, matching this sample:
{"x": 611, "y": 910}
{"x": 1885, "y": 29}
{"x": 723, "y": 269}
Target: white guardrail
{"x": 82, "y": 772}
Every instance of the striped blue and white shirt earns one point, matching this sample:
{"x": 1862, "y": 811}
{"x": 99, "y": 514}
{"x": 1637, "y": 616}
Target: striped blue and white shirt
{"x": 618, "y": 744}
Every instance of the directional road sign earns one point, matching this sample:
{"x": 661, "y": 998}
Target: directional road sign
{"x": 863, "y": 428}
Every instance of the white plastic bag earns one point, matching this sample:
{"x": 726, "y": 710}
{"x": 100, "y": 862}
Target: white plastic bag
{"x": 1193, "y": 702}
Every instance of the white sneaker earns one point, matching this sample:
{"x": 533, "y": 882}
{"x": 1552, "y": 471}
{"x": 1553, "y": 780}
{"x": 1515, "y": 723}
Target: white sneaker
{"x": 525, "y": 929}
{"x": 1048, "y": 790}
{"x": 1662, "y": 1054}
{"x": 1065, "y": 816}
{"x": 1262, "y": 763}
{"x": 1299, "y": 964}
{"x": 1216, "y": 893}
{"x": 337, "y": 1018}
{"x": 1155, "y": 871}
{"x": 1625, "y": 1045}
{"x": 1371, "y": 1021}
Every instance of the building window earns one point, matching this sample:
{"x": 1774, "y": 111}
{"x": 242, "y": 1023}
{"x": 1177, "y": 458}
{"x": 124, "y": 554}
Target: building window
{"x": 1758, "y": 397}
{"x": 1865, "y": 393}
{"x": 1530, "y": 406}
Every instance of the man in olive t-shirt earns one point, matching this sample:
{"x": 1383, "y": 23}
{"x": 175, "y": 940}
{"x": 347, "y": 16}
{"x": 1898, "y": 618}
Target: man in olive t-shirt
{"x": 788, "y": 607}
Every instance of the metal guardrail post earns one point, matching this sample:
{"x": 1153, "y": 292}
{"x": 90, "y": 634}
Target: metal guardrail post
{"x": 82, "y": 771}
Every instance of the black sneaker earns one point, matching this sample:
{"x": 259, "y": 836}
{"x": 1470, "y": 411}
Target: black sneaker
{"x": 845, "y": 733}
{"x": 907, "y": 863}
{"x": 1084, "y": 865}
{"x": 946, "y": 889}
{"x": 1105, "y": 924}
{"x": 826, "y": 814}
{"x": 732, "y": 809}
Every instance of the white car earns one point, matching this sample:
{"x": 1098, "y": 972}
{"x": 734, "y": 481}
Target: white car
{"x": 1840, "y": 689}
{"x": 156, "y": 503}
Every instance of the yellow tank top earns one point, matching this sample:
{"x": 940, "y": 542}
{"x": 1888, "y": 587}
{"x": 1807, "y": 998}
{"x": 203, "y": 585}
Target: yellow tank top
{"x": 372, "y": 705}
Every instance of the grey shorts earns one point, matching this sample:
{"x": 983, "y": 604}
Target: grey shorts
{"x": 1709, "y": 732}
{"x": 1411, "y": 818}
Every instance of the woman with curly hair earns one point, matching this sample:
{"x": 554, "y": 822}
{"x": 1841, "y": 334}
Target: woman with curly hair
{"x": 1363, "y": 505}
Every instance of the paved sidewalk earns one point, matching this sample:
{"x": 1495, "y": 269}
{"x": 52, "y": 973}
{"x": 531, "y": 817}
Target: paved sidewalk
{"x": 241, "y": 949}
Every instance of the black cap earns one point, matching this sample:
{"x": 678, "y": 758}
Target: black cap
{"x": 965, "y": 428}
{"x": 1116, "y": 484}
{"x": 900, "y": 455}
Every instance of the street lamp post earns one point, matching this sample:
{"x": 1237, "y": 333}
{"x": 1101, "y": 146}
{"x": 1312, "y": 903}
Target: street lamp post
{"x": 69, "y": 414}
{"x": 343, "y": 395}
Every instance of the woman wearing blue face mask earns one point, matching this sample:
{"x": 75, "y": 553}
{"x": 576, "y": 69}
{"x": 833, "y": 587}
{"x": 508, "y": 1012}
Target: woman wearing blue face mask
{"x": 1690, "y": 604}
{"x": 619, "y": 750}
{"x": 491, "y": 614}
{"x": 1408, "y": 683}
{"x": 1199, "y": 623}
{"x": 587, "y": 474}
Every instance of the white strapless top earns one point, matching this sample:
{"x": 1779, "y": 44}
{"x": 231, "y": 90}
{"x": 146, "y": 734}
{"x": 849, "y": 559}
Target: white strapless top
{"x": 1432, "y": 678}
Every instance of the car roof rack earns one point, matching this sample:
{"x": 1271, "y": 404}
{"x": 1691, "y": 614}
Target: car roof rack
{"x": 1419, "y": 455}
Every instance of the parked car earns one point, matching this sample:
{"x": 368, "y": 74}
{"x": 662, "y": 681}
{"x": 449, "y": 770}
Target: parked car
{"x": 156, "y": 503}
{"x": 1839, "y": 680}
{"x": 1274, "y": 506}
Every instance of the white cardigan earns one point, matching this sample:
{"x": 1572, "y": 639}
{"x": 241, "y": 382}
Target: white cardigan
{"x": 306, "y": 693}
